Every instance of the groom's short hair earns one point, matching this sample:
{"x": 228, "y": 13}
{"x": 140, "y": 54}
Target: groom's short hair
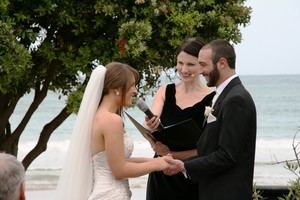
{"x": 222, "y": 49}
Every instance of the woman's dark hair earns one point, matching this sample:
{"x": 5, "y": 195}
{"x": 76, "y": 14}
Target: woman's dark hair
{"x": 191, "y": 46}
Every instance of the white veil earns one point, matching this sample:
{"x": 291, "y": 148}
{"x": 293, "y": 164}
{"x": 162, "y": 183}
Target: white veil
{"x": 75, "y": 182}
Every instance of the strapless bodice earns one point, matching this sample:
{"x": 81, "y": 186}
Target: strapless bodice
{"x": 105, "y": 186}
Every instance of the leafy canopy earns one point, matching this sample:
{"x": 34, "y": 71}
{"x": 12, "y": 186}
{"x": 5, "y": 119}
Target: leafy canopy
{"x": 45, "y": 43}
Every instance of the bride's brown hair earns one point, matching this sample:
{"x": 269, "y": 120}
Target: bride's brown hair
{"x": 119, "y": 75}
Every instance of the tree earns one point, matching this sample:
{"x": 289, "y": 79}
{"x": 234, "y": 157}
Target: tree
{"x": 44, "y": 44}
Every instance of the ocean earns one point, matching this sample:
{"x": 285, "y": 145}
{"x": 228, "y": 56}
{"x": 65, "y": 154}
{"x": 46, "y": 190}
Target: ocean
{"x": 277, "y": 99}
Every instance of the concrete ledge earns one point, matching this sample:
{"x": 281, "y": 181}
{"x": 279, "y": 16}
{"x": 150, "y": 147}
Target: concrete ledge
{"x": 272, "y": 192}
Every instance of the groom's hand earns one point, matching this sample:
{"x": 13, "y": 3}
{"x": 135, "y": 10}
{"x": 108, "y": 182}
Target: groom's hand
{"x": 176, "y": 166}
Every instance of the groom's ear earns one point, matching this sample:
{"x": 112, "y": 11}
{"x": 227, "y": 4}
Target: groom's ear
{"x": 222, "y": 63}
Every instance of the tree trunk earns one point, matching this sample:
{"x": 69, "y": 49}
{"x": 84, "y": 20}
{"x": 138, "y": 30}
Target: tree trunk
{"x": 41, "y": 145}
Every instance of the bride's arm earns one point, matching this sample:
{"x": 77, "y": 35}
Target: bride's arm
{"x": 138, "y": 159}
{"x": 114, "y": 147}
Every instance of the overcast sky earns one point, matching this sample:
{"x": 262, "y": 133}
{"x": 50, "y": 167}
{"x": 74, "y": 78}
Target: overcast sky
{"x": 271, "y": 43}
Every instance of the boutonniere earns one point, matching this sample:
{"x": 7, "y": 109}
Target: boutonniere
{"x": 208, "y": 114}
{"x": 208, "y": 110}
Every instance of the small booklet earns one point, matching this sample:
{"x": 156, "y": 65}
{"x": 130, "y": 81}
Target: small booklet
{"x": 178, "y": 137}
{"x": 140, "y": 127}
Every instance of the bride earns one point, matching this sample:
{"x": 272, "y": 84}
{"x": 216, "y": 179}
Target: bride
{"x": 98, "y": 162}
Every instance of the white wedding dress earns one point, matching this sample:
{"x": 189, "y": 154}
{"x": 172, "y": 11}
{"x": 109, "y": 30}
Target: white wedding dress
{"x": 105, "y": 186}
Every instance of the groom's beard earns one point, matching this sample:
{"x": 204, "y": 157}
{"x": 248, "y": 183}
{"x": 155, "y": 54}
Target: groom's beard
{"x": 213, "y": 77}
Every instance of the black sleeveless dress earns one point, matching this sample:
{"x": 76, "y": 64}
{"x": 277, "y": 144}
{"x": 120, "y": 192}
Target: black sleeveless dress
{"x": 177, "y": 187}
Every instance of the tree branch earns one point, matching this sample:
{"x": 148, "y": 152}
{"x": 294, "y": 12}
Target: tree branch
{"x": 8, "y": 106}
{"x": 10, "y": 144}
{"x": 48, "y": 129}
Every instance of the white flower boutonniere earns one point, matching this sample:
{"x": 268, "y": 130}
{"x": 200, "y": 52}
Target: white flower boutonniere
{"x": 208, "y": 110}
{"x": 208, "y": 114}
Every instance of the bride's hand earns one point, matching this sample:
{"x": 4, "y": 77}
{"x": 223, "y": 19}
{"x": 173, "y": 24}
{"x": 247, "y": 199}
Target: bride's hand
{"x": 161, "y": 163}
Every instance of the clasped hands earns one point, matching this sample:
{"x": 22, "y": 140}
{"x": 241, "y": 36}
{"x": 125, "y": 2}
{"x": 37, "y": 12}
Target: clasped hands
{"x": 175, "y": 166}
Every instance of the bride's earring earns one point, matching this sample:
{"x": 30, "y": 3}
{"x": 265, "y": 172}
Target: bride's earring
{"x": 117, "y": 93}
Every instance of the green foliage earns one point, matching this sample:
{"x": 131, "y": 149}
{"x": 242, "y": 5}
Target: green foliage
{"x": 294, "y": 190}
{"x": 45, "y": 43}
{"x": 294, "y": 167}
{"x": 75, "y": 99}
{"x": 141, "y": 33}
{"x": 3, "y": 6}
{"x": 256, "y": 194}
{"x": 15, "y": 63}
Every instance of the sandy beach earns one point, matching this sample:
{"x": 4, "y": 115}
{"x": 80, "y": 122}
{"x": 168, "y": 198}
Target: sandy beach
{"x": 137, "y": 194}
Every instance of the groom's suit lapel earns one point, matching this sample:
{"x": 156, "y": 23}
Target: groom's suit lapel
{"x": 230, "y": 85}
{"x": 222, "y": 96}
{"x": 224, "y": 93}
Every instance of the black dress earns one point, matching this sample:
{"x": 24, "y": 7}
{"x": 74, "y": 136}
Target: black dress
{"x": 164, "y": 187}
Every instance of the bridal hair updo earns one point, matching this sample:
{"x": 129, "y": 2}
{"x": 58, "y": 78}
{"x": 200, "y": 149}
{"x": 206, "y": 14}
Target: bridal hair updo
{"x": 119, "y": 75}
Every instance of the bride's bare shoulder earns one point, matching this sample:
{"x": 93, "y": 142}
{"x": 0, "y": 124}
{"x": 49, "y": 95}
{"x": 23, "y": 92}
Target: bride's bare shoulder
{"x": 108, "y": 118}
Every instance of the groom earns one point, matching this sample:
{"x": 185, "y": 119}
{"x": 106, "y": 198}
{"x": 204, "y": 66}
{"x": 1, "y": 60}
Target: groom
{"x": 226, "y": 148}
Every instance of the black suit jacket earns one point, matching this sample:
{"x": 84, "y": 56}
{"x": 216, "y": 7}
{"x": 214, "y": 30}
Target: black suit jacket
{"x": 226, "y": 148}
